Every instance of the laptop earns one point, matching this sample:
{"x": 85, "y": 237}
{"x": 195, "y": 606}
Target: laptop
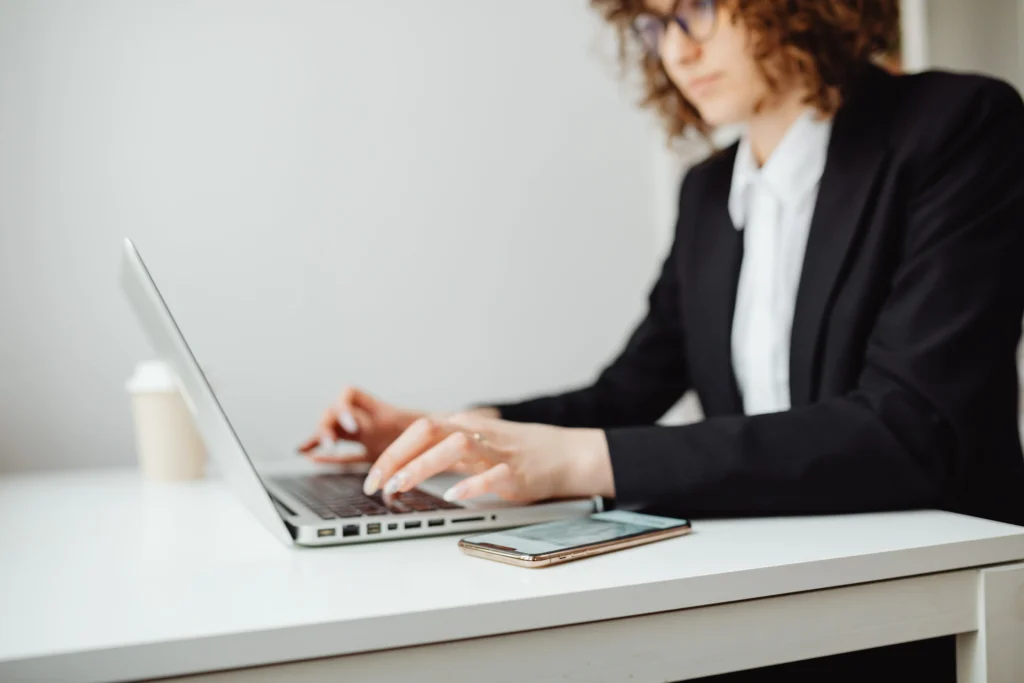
{"x": 299, "y": 504}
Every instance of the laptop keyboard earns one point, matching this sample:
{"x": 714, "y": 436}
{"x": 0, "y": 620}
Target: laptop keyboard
{"x": 333, "y": 496}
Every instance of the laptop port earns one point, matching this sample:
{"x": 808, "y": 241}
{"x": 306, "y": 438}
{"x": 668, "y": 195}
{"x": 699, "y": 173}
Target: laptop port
{"x": 436, "y": 522}
{"x": 350, "y": 530}
{"x": 413, "y": 525}
{"x": 373, "y": 528}
{"x": 392, "y": 526}
{"x": 469, "y": 519}
{"x": 326, "y": 532}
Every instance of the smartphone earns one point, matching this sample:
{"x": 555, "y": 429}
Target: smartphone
{"x": 542, "y": 545}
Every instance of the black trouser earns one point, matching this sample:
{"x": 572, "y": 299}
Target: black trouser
{"x": 927, "y": 661}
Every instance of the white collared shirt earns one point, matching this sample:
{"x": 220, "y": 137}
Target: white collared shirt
{"x": 773, "y": 206}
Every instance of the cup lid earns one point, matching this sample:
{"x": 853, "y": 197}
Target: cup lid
{"x": 152, "y": 376}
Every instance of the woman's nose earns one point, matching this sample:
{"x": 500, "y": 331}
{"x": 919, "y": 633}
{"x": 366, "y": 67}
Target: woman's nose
{"x": 677, "y": 47}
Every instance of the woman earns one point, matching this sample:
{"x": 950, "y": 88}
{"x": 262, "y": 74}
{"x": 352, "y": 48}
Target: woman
{"x": 844, "y": 293}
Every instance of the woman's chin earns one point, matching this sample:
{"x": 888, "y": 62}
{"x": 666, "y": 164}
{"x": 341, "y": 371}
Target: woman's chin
{"x": 717, "y": 115}
{"x": 720, "y": 113}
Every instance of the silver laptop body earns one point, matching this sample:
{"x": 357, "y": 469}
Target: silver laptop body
{"x": 297, "y": 503}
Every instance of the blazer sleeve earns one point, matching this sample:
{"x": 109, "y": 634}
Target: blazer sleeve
{"x": 642, "y": 383}
{"x": 947, "y": 330}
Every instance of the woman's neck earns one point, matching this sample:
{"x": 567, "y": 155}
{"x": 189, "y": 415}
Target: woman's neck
{"x": 768, "y": 126}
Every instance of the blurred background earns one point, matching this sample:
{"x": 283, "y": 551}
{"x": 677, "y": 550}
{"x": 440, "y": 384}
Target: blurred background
{"x": 442, "y": 201}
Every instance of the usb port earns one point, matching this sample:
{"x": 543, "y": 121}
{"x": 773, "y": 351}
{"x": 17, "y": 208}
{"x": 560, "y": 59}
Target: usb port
{"x": 373, "y": 528}
{"x": 392, "y": 526}
{"x": 436, "y": 522}
{"x": 413, "y": 525}
{"x": 326, "y": 532}
{"x": 468, "y": 519}
{"x": 350, "y": 530}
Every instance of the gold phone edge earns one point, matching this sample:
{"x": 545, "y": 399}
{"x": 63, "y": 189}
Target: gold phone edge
{"x": 561, "y": 556}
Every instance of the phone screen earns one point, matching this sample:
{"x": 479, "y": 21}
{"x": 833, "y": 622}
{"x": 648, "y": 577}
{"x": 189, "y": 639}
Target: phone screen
{"x": 575, "y": 533}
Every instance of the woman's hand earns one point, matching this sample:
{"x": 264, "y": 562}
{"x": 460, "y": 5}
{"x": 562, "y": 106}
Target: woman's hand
{"x": 358, "y": 417}
{"x": 519, "y": 462}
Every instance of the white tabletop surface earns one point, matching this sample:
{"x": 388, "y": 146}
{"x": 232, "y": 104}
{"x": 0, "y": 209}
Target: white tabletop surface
{"x": 104, "y": 576}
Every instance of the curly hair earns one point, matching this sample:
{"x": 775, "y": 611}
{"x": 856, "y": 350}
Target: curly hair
{"x": 824, "y": 44}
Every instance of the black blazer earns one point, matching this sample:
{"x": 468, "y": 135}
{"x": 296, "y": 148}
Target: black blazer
{"x": 902, "y": 365}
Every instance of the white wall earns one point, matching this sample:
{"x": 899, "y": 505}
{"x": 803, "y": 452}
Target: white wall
{"x": 984, "y": 36}
{"x": 444, "y": 201}
{"x": 1020, "y": 36}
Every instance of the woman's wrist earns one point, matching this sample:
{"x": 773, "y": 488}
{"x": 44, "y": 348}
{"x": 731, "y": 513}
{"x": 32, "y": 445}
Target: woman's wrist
{"x": 486, "y": 411}
{"x": 590, "y": 465}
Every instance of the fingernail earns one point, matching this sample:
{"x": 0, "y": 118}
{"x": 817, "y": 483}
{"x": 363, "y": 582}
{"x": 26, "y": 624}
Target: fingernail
{"x": 372, "y": 482}
{"x": 348, "y": 422}
{"x": 395, "y": 483}
{"x": 326, "y": 444}
{"x": 453, "y": 494}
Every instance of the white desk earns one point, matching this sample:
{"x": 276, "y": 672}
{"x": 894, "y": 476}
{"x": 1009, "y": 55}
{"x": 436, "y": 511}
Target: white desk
{"x": 104, "y": 578}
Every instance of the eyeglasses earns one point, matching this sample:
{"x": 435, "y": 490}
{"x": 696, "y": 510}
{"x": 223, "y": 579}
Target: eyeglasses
{"x": 697, "y": 18}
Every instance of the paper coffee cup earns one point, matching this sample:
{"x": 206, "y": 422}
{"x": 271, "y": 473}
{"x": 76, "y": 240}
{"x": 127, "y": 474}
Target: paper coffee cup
{"x": 166, "y": 439}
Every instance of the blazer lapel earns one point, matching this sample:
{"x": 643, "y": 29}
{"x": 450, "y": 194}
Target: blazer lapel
{"x": 855, "y": 158}
{"x": 715, "y": 268}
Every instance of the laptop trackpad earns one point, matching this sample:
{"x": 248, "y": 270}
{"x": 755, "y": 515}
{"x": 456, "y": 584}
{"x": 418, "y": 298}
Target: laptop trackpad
{"x": 440, "y": 483}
